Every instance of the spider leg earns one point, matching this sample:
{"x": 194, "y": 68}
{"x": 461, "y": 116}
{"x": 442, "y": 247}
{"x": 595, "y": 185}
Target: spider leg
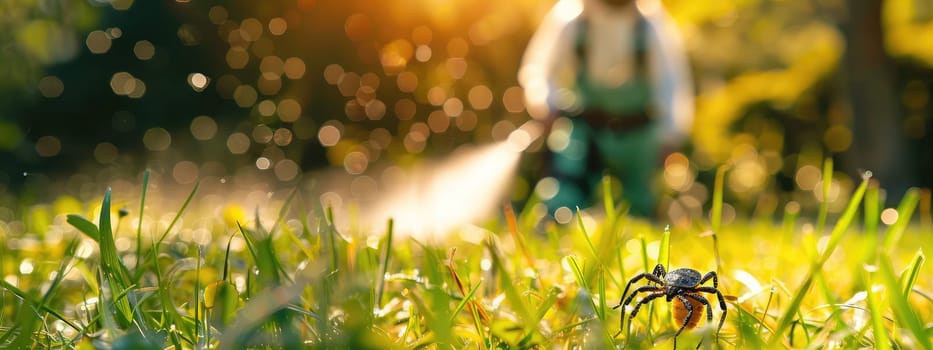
{"x": 643, "y": 301}
{"x": 708, "y": 276}
{"x": 709, "y": 309}
{"x": 689, "y": 308}
{"x": 639, "y": 303}
{"x": 704, "y": 301}
{"x": 654, "y": 278}
{"x": 722, "y": 304}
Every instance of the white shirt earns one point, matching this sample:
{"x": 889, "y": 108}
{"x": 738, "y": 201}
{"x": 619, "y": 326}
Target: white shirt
{"x": 549, "y": 64}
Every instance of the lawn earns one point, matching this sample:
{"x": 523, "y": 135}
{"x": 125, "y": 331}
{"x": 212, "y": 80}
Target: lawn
{"x": 125, "y": 273}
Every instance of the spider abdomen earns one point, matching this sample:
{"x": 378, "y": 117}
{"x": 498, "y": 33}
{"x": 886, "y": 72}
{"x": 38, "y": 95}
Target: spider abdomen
{"x": 680, "y": 313}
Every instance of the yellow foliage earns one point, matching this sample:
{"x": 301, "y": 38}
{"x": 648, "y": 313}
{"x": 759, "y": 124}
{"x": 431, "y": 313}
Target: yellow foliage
{"x": 233, "y": 214}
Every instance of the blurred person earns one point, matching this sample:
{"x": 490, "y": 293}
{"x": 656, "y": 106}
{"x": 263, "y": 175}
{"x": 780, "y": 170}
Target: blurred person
{"x": 611, "y": 78}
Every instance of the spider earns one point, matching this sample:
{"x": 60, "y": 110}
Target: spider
{"x": 684, "y": 284}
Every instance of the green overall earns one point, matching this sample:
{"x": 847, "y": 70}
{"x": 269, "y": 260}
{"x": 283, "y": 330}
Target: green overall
{"x": 629, "y": 153}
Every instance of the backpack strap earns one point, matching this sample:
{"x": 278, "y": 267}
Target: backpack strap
{"x": 640, "y": 49}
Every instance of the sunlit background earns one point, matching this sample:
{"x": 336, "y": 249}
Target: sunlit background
{"x": 342, "y": 97}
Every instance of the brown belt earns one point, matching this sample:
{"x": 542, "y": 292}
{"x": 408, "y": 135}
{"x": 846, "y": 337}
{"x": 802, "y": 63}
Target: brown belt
{"x": 600, "y": 119}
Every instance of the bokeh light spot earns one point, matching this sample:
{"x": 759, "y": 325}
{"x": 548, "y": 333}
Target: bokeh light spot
{"x": 407, "y": 81}
{"x": 453, "y": 107}
{"x": 328, "y": 135}
{"x": 51, "y": 86}
{"x": 354, "y": 111}
{"x": 269, "y": 86}
{"x": 245, "y": 96}
{"x": 266, "y": 108}
{"x": 438, "y": 121}
{"x": 238, "y": 143}
{"x": 405, "y": 109}
{"x": 277, "y": 26}
{"x": 358, "y": 27}
{"x": 807, "y": 177}
{"x": 466, "y": 121}
{"x": 282, "y": 137}
{"x": 480, "y": 97}
{"x": 198, "y": 81}
{"x": 185, "y": 172}
{"x": 514, "y": 99}
{"x": 251, "y": 29}
{"x": 263, "y": 163}
{"x": 365, "y": 94}
{"x": 237, "y": 57}
{"x": 889, "y": 216}
{"x": 122, "y": 83}
{"x": 381, "y": 137}
{"x": 144, "y": 50}
{"x": 286, "y": 170}
{"x": 98, "y": 42}
{"x": 423, "y": 53}
{"x": 289, "y": 110}
{"x": 272, "y": 67}
{"x": 332, "y": 73}
{"x": 48, "y": 146}
{"x": 157, "y": 139}
{"x": 105, "y": 153}
{"x": 262, "y": 134}
{"x": 563, "y": 215}
{"x": 375, "y": 109}
{"x": 370, "y": 80}
{"x": 501, "y": 130}
{"x": 217, "y": 14}
{"x": 203, "y": 128}
{"x": 437, "y": 95}
{"x": 294, "y": 68}
{"x": 547, "y": 188}
{"x": 355, "y": 162}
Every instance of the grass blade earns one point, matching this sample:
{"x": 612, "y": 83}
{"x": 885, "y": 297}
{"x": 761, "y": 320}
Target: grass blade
{"x": 112, "y": 268}
{"x": 842, "y": 225}
{"x": 139, "y": 226}
{"x": 85, "y": 226}
{"x": 510, "y": 288}
{"x": 180, "y": 212}
{"x": 716, "y": 212}
{"x": 904, "y": 314}
{"x": 882, "y": 341}
{"x": 664, "y": 251}
{"x": 586, "y": 236}
{"x": 467, "y": 299}
{"x": 608, "y": 202}
{"x": 909, "y": 276}
{"x": 386, "y": 256}
{"x": 824, "y": 203}
{"x": 872, "y": 209}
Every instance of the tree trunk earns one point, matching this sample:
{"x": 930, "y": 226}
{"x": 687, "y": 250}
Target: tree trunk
{"x": 878, "y": 142}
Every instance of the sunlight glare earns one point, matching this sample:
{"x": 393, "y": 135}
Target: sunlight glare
{"x": 433, "y": 200}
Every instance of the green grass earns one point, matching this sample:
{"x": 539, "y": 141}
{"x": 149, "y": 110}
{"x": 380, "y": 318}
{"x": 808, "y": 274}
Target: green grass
{"x": 290, "y": 280}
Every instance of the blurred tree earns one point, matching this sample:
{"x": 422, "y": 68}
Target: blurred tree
{"x": 868, "y": 74}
